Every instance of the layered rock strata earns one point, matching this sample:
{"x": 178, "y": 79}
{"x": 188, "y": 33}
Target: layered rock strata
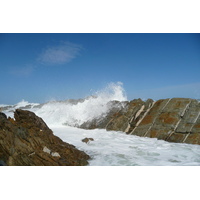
{"x": 173, "y": 120}
{"x": 27, "y": 140}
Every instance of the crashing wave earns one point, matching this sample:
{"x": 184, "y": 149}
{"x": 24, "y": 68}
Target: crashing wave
{"x": 74, "y": 112}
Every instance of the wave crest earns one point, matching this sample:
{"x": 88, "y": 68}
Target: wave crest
{"x": 76, "y": 112}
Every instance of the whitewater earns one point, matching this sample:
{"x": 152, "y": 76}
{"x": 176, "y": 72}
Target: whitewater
{"x": 109, "y": 148}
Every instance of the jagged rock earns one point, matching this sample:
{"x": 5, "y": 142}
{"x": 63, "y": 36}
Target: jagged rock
{"x": 173, "y": 120}
{"x": 27, "y": 140}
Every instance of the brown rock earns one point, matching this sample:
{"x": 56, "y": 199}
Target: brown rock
{"x": 27, "y": 140}
{"x": 87, "y": 140}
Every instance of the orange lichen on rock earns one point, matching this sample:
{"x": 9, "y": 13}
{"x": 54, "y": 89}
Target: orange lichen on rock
{"x": 153, "y": 133}
{"x": 147, "y": 120}
{"x": 168, "y": 118}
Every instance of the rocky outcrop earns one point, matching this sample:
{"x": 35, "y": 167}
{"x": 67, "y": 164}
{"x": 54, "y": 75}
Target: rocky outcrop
{"x": 27, "y": 140}
{"x": 173, "y": 120}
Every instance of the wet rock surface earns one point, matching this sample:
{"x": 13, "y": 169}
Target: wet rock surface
{"x": 87, "y": 140}
{"x": 27, "y": 141}
{"x": 173, "y": 120}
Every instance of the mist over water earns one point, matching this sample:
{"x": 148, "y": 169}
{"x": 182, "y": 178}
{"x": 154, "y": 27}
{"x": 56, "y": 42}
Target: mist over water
{"x": 108, "y": 148}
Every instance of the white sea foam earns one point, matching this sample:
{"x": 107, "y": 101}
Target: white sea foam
{"x": 112, "y": 148}
{"x": 9, "y": 109}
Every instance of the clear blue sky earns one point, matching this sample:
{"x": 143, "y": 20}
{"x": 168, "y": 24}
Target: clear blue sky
{"x": 41, "y": 67}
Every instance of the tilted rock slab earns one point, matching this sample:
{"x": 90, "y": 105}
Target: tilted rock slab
{"x": 27, "y": 140}
{"x": 173, "y": 120}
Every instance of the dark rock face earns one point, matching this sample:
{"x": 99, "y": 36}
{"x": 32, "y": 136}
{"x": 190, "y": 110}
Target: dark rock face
{"x": 27, "y": 140}
{"x": 173, "y": 120}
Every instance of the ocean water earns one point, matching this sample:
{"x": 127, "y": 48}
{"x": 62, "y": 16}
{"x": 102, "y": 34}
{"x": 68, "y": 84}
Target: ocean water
{"x": 109, "y": 148}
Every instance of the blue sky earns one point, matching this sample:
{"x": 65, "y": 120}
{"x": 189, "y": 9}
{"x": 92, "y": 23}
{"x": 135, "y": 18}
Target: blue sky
{"x": 42, "y": 67}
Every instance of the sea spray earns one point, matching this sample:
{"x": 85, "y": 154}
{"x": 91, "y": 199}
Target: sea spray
{"x": 74, "y": 113}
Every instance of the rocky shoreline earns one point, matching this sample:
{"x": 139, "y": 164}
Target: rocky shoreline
{"x": 27, "y": 141}
{"x": 172, "y": 120}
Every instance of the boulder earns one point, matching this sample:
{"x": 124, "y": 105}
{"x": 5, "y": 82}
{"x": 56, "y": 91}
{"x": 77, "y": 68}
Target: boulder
{"x": 87, "y": 140}
{"x": 27, "y": 141}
